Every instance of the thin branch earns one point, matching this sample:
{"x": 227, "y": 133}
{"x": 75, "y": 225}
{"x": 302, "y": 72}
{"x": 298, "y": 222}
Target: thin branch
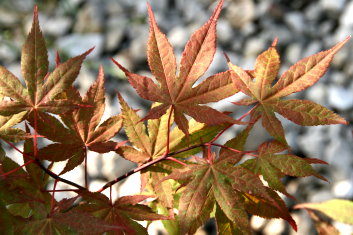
{"x": 144, "y": 166}
{"x": 176, "y": 160}
{"x": 168, "y": 134}
{"x": 61, "y": 190}
{"x": 49, "y": 172}
{"x": 235, "y": 150}
{"x": 18, "y": 168}
{"x": 52, "y": 196}
{"x": 247, "y": 113}
{"x": 86, "y": 175}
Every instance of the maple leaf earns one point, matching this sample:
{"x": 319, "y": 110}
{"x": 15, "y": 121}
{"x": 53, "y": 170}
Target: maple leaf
{"x": 177, "y": 91}
{"x": 25, "y": 197}
{"x": 300, "y": 76}
{"x": 152, "y": 145}
{"x": 274, "y": 166}
{"x": 41, "y": 87}
{"x": 217, "y": 181}
{"x": 83, "y": 128}
{"x": 121, "y": 213}
{"x": 12, "y": 134}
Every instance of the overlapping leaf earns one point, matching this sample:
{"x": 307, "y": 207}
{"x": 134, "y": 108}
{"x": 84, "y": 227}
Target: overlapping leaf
{"x": 41, "y": 86}
{"x": 300, "y": 76}
{"x": 217, "y": 181}
{"x": 152, "y": 145}
{"x": 178, "y": 91}
{"x": 12, "y": 134}
{"x": 24, "y": 197}
{"x": 121, "y": 213}
{"x": 338, "y": 209}
{"x": 83, "y": 128}
{"x": 274, "y": 166}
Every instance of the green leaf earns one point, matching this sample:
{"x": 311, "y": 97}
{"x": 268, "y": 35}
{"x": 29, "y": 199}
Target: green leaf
{"x": 338, "y": 209}
{"x": 20, "y": 209}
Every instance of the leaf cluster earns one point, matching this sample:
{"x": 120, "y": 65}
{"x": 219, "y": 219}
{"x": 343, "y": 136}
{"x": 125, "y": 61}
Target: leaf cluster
{"x": 187, "y": 174}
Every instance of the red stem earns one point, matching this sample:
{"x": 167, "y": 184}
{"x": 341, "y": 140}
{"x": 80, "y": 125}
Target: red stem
{"x": 35, "y": 150}
{"x": 221, "y": 133}
{"x": 176, "y": 160}
{"x": 110, "y": 195}
{"x": 62, "y": 190}
{"x": 168, "y": 134}
{"x": 247, "y": 113}
{"x": 49, "y": 172}
{"x": 52, "y": 196}
{"x": 235, "y": 150}
{"x": 18, "y": 168}
{"x": 86, "y": 176}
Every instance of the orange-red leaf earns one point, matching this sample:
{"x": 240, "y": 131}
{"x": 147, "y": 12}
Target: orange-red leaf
{"x": 177, "y": 91}
{"x": 305, "y": 72}
{"x": 306, "y": 113}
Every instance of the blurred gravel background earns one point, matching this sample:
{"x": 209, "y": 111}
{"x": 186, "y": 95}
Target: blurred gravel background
{"x": 119, "y": 29}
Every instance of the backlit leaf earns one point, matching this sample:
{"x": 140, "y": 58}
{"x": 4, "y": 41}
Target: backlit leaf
{"x": 338, "y": 209}
{"x": 177, "y": 91}
{"x": 266, "y": 97}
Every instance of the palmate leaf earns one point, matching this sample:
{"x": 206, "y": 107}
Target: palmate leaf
{"x": 122, "y": 212}
{"x": 217, "y": 181}
{"x": 12, "y": 134}
{"x": 24, "y": 197}
{"x": 273, "y": 166}
{"x": 177, "y": 91}
{"x": 150, "y": 145}
{"x": 300, "y": 76}
{"x": 41, "y": 86}
{"x": 83, "y": 128}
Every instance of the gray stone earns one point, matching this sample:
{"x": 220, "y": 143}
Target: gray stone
{"x": 319, "y": 196}
{"x": 8, "y": 18}
{"x": 295, "y": 20}
{"x": 340, "y": 97}
{"x": 85, "y": 80}
{"x": 138, "y": 46}
{"x": 8, "y": 52}
{"x": 248, "y": 29}
{"x": 343, "y": 189}
{"x": 76, "y": 44}
{"x": 90, "y": 18}
{"x": 330, "y": 5}
{"x": 192, "y": 11}
{"x": 338, "y": 154}
{"x": 240, "y": 12}
{"x": 313, "y": 48}
{"x": 178, "y": 37}
{"x": 115, "y": 32}
{"x": 346, "y": 18}
{"x": 293, "y": 52}
{"x": 317, "y": 93}
{"x": 224, "y": 31}
{"x": 313, "y": 12}
{"x": 313, "y": 141}
{"x": 338, "y": 78}
{"x": 22, "y": 5}
{"x": 254, "y": 46}
{"x": 274, "y": 227}
{"x": 57, "y": 26}
{"x": 114, "y": 8}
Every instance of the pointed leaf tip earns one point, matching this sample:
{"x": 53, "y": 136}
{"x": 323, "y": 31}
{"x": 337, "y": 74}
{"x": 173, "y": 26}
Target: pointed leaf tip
{"x": 35, "y": 11}
{"x": 120, "y": 66}
{"x": 227, "y": 57}
{"x": 274, "y": 43}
